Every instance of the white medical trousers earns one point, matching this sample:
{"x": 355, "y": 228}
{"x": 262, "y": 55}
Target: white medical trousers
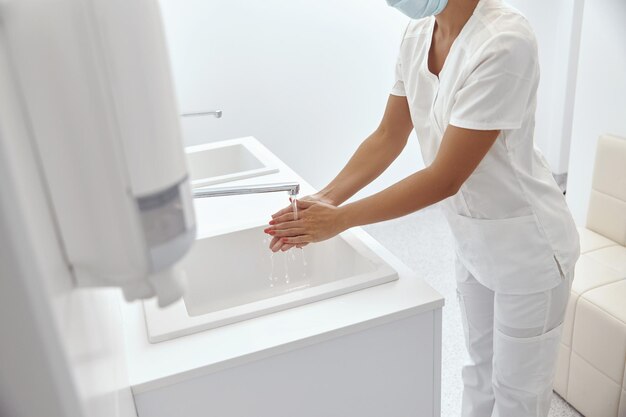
{"x": 513, "y": 343}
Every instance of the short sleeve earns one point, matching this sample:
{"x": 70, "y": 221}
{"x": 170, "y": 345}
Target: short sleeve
{"x": 398, "y": 86}
{"x": 497, "y": 91}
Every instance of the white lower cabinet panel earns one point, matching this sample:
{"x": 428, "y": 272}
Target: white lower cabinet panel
{"x": 390, "y": 370}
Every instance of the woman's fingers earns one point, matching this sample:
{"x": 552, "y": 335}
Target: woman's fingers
{"x": 304, "y": 204}
{"x": 287, "y": 209}
{"x": 297, "y": 239}
{"x": 273, "y": 242}
{"x": 287, "y": 217}
{"x": 276, "y": 244}
{"x": 286, "y": 225}
{"x": 288, "y": 232}
{"x": 285, "y": 248}
{"x": 293, "y": 228}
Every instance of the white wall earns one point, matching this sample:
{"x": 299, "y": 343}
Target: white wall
{"x": 600, "y": 104}
{"x": 309, "y": 79}
{"x": 312, "y": 82}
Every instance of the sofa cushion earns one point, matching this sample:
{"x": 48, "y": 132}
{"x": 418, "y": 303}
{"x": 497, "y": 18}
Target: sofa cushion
{"x": 598, "y": 352}
{"x": 611, "y": 298}
{"x": 600, "y": 329}
{"x": 590, "y": 240}
{"x": 622, "y": 401}
{"x": 609, "y": 170}
{"x": 590, "y": 391}
{"x": 607, "y": 203}
{"x": 609, "y": 216}
{"x": 613, "y": 256}
{"x": 592, "y": 272}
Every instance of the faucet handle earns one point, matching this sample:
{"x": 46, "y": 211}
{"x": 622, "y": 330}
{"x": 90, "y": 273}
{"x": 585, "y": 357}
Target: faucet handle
{"x": 216, "y": 113}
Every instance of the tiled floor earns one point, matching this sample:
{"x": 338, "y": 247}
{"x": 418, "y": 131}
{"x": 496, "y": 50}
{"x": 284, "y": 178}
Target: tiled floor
{"x": 424, "y": 243}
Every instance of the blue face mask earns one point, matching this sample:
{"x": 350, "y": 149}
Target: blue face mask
{"x": 416, "y": 9}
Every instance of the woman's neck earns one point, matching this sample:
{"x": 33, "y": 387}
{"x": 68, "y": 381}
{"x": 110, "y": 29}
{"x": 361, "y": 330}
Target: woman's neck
{"x": 451, "y": 20}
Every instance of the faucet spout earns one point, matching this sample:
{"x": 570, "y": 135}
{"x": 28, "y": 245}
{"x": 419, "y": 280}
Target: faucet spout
{"x": 291, "y": 187}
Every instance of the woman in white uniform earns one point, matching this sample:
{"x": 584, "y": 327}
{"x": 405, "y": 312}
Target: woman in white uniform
{"x": 466, "y": 81}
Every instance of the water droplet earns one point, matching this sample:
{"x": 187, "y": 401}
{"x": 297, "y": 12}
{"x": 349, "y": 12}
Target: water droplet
{"x": 286, "y": 268}
{"x": 271, "y": 277}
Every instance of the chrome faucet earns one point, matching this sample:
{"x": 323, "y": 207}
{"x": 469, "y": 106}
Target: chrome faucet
{"x": 290, "y": 187}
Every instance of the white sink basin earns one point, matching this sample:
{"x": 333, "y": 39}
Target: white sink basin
{"x": 226, "y": 161}
{"x": 234, "y": 277}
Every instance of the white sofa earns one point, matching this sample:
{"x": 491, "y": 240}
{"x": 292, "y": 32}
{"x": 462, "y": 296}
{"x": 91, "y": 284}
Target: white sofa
{"x": 591, "y": 373}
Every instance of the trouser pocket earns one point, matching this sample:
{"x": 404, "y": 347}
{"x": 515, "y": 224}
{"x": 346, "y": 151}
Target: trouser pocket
{"x": 524, "y": 369}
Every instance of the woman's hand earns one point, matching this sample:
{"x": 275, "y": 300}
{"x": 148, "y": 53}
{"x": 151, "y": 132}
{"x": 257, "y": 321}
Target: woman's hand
{"x": 317, "y": 221}
{"x": 277, "y": 244}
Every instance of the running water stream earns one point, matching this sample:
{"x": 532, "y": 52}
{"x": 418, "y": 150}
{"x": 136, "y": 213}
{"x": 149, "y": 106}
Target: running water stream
{"x": 294, "y": 206}
{"x": 289, "y": 257}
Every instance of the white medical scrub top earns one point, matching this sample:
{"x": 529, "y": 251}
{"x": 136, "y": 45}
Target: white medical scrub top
{"x": 512, "y": 227}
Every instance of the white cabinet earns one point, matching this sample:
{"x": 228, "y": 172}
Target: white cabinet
{"x": 390, "y": 370}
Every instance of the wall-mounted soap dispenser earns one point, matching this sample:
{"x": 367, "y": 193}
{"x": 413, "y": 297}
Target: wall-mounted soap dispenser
{"x": 95, "y": 85}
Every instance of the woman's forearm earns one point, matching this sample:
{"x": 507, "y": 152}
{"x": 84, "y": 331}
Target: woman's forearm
{"x": 413, "y": 193}
{"x": 370, "y": 160}
{"x": 374, "y": 155}
{"x": 459, "y": 154}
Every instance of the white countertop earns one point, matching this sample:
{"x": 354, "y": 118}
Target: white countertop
{"x": 152, "y": 366}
